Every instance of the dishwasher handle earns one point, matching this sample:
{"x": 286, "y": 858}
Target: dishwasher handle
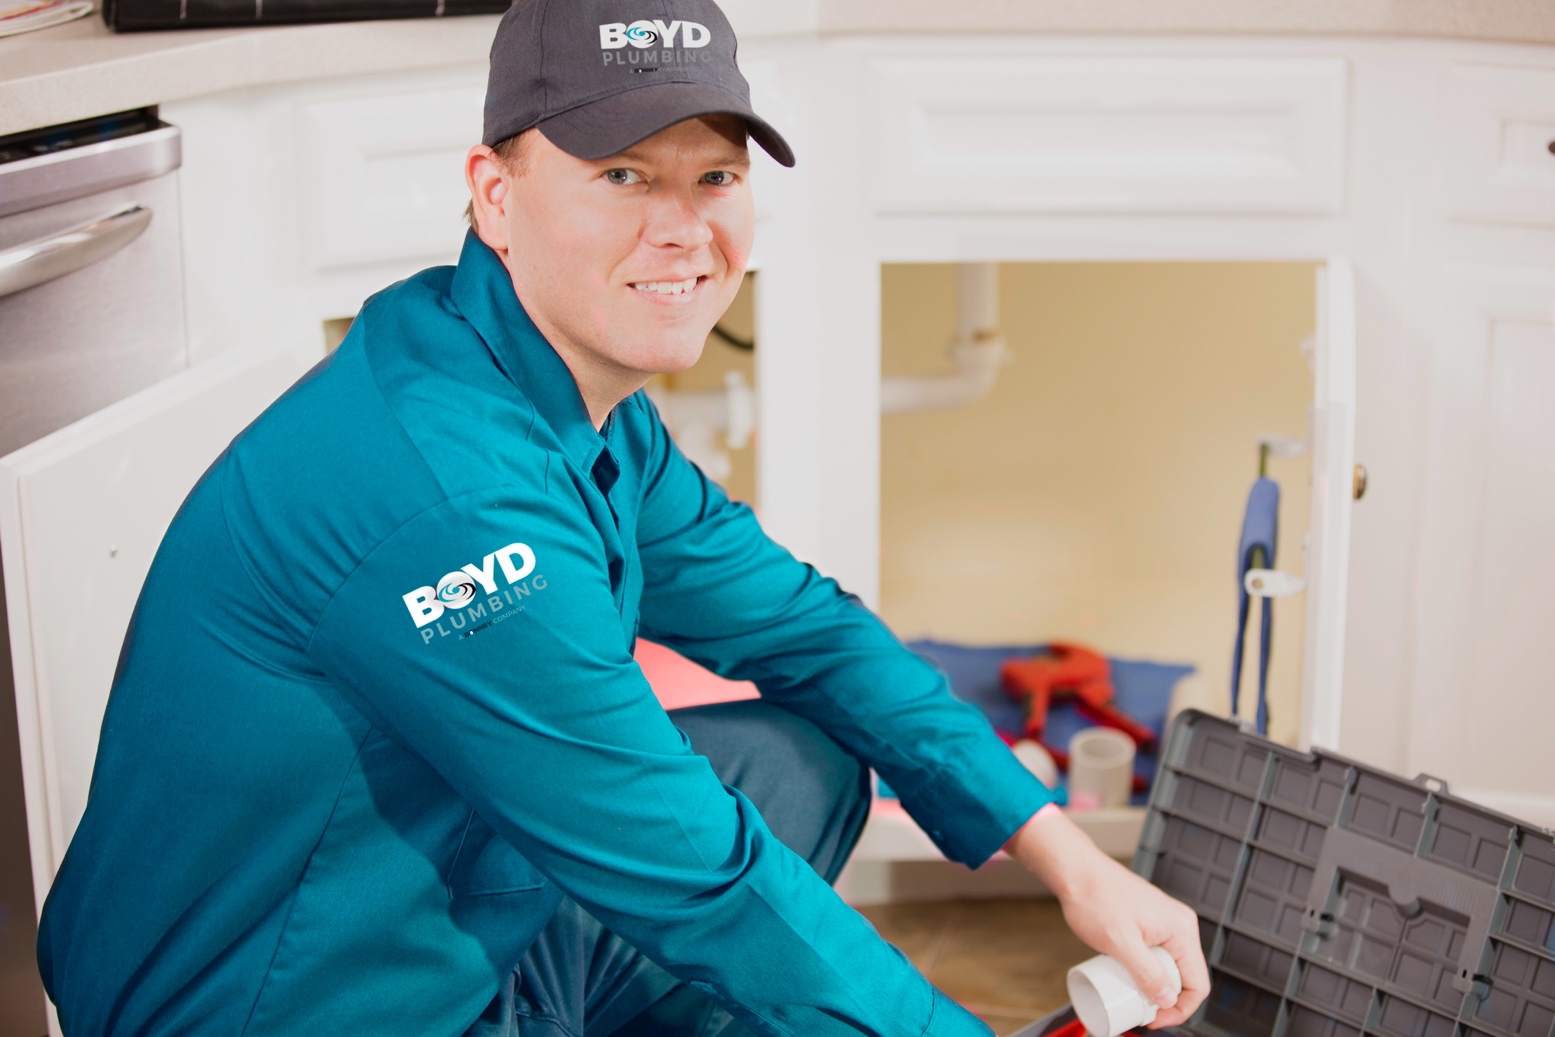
{"x": 56, "y": 255}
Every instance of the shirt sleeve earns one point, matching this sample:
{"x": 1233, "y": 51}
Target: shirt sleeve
{"x": 721, "y": 593}
{"x": 532, "y": 709}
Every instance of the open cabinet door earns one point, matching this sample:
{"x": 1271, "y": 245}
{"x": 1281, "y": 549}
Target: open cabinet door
{"x": 1480, "y": 708}
{"x": 1333, "y": 481}
{"x": 82, "y": 512}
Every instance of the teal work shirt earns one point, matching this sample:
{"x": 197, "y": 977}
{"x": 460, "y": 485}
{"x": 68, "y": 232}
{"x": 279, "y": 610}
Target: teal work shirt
{"x": 377, "y": 711}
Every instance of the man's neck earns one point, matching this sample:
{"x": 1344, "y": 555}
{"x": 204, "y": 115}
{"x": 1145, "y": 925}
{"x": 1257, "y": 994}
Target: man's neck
{"x": 601, "y": 390}
{"x": 602, "y": 385}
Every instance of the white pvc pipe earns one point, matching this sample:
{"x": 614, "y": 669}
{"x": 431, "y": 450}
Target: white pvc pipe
{"x": 977, "y": 353}
{"x": 694, "y": 415}
{"x": 977, "y": 301}
{"x": 977, "y": 369}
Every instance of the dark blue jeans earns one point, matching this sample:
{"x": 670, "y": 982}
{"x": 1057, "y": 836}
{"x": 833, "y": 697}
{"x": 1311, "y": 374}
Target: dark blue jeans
{"x": 578, "y": 979}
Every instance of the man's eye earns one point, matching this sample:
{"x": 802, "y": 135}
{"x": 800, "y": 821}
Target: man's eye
{"x": 718, "y": 178}
{"x": 622, "y": 176}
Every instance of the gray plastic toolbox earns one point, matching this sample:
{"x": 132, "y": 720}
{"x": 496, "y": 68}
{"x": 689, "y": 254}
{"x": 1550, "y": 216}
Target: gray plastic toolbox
{"x": 1337, "y": 900}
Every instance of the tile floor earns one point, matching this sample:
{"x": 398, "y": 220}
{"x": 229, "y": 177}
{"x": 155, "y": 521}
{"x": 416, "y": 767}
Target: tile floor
{"x": 1003, "y": 959}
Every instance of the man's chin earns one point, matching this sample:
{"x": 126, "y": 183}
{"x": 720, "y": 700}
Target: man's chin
{"x": 673, "y": 358}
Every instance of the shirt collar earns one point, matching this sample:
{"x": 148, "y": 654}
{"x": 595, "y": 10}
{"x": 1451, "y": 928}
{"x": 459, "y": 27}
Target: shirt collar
{"x": 483, "y": 292}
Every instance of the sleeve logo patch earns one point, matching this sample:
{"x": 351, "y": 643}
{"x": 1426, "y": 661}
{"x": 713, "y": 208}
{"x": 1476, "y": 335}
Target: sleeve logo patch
{"x": 469, "y": 599}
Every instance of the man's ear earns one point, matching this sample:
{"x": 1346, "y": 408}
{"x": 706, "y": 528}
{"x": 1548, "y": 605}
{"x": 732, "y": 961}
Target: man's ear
{"x": 485, "y": 175}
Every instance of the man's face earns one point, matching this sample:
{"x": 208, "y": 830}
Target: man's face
{"x": 623, "y": 263}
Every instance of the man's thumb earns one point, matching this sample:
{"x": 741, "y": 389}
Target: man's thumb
{"x": 1148, "y": 969}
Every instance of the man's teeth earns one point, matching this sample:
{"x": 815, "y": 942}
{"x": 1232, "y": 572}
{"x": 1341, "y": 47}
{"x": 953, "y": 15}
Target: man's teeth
{"x": 667, "y": 287}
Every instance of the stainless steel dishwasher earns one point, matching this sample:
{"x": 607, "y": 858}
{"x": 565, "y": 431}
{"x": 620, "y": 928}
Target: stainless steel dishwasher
{"x": 91, "y": 310}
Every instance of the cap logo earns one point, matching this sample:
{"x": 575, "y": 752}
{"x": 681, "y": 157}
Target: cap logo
{"x": 644, "y": 33}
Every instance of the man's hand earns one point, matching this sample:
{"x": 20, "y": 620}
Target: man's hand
{"x": 1116, "y": 912}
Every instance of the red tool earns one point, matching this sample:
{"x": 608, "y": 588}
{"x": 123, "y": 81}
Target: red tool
{"x": 1073, "y": 1028}
{"x": 1070, "y": 671}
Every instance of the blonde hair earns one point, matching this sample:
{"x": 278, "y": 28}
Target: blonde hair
{"x": 512, "y": 153}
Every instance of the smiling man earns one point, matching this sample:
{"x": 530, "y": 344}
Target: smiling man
{"x": 378, "y": 760}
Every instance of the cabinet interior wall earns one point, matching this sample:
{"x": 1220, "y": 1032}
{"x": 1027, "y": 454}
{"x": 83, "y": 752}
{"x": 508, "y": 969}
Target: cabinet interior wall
{"x": 1096, "y": 494}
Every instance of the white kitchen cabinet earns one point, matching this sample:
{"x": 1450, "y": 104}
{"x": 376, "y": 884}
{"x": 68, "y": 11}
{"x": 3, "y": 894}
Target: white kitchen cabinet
{"x": 979, "y": 149}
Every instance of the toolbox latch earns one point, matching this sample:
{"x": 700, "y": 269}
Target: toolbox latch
{"x": 1319, "y": 922}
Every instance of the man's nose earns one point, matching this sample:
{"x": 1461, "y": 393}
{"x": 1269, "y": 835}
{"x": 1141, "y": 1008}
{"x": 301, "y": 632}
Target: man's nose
{"x": 676, "y": 219}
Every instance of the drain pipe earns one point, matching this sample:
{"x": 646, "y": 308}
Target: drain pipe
{"x": 696, "y": 417}
{"x": 977, "y": 352}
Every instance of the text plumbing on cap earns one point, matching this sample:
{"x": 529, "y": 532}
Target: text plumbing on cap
{"x": 597, "y": 76}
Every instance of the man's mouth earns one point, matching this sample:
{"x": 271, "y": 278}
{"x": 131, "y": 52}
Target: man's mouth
{"x": 667, "y": 287}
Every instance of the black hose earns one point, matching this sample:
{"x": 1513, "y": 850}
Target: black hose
{"x": 747, "y": 345}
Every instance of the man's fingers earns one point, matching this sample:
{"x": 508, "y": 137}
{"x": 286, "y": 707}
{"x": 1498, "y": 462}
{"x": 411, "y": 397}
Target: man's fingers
{"x": 1170, "y": 1017}
{"x": 1147, "y": 972}
{"x": 1185, "y": 950}
{"x": 1183, "y": 945}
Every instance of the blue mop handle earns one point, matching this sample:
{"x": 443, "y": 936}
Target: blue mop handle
{"x": 1260, "y": 533}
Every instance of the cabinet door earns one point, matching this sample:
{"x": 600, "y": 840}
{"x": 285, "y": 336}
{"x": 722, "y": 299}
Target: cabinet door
{"x": 1482, "y": 708}
{"x": 1333, "y": 474}
{"x": 81, "y": 514}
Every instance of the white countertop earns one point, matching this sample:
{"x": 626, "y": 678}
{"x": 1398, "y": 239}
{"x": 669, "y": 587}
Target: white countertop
{"x": 81, "y": 69}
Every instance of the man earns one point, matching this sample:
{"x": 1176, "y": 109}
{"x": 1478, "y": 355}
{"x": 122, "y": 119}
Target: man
{"x": 377, "y": 759}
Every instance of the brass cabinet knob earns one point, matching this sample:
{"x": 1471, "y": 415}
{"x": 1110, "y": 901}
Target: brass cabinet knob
{"x": 1358, "y": 483}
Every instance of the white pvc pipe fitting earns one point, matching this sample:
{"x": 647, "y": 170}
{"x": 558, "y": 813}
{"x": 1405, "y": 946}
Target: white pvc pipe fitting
{"x": 1101, "y": 768}
{"x": 1106, "y": 999}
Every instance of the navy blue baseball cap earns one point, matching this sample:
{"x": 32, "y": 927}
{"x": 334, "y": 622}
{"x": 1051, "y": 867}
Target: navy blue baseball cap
{"x": 597, "y": 76}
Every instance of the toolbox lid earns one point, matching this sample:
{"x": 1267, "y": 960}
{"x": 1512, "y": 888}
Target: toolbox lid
{"x": 1337, "y": 900}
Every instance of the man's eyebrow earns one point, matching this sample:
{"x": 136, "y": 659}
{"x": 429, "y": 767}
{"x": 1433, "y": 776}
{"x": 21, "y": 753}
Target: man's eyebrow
{"x": 732, "y": 157}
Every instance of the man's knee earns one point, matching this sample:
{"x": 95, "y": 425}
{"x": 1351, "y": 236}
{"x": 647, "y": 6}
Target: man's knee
{"x": 813, "y": 794}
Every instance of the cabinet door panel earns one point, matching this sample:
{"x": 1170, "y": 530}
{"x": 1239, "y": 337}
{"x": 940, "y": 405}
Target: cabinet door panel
{"x": 1105, "y": 133}
{"x": 82, "y": 512}
{"x": 1496, "y": 144}
{"x": 1483, "y": 709}
{"x": 383, "y": 174}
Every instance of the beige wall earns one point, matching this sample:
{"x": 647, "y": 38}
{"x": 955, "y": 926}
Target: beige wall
{"x": 1097, "y": 493}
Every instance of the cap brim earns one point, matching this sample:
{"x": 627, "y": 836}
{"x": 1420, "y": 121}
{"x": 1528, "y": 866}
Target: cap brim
{"x": 612, "y": 124}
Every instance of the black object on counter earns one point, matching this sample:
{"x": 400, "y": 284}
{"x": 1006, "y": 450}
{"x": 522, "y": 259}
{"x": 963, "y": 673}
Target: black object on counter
{"x": 1337, "y": 900}
{"x": 133, "y": 15}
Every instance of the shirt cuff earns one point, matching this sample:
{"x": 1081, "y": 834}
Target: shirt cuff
{"x": 978, "y": 802}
